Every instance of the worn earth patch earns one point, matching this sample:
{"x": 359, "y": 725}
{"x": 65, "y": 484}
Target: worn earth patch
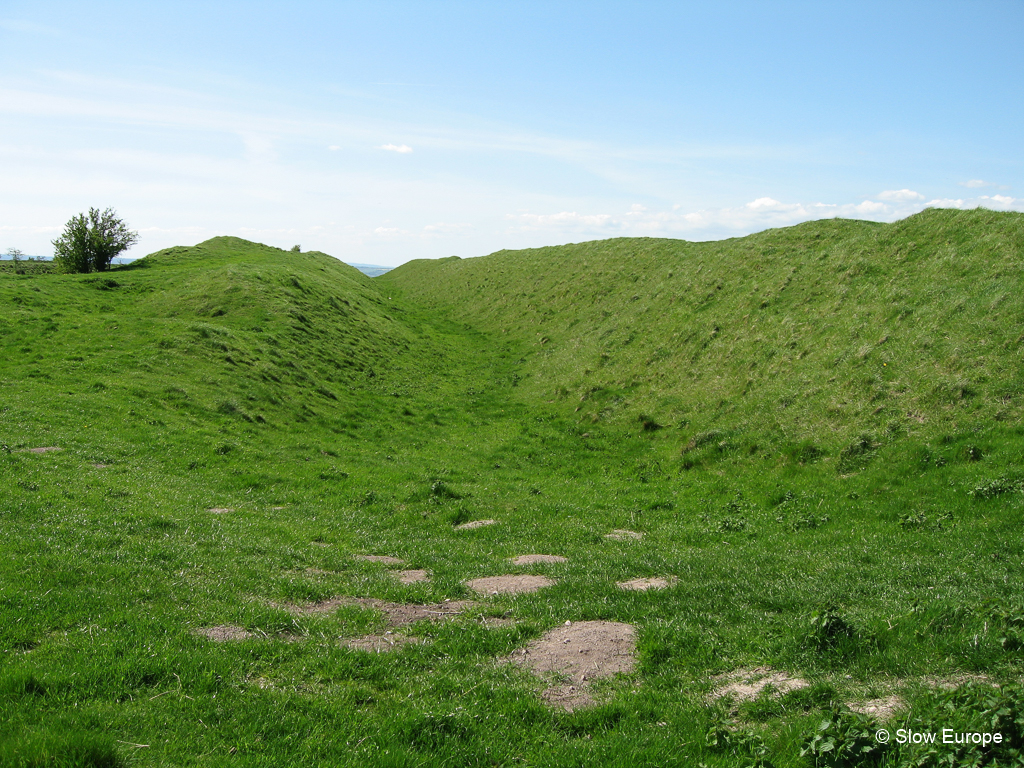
{"x": 747, "y": 684}
{"x": 475, "y": 524}
{"x": 386, "y": 559}
{"x": 577, "y": 653}
{"x": 220, "y": 510}
{"x": 621, "y": 534}
{"x": 642, "y": 585}
{"x": 412, "y": 577}
{"x": 509, "y": 584}
{"x": 225, "y": 632}
{"x": 396, "y": 614}
{"x": 379, "y": 643}
{"x": 532, "y": 559}
{"x": 882, "y": 709}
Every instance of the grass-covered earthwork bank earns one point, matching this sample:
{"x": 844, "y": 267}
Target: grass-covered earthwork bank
{"x": 253, "y": 502}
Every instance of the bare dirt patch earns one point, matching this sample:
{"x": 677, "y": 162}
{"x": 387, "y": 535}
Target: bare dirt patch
{"x": 747, "y": 684}
{"x": 475, "y": 524}
{"x": 955, "y": 681}
{"x": 533, "y": 559}
{"x": 642, "y": 585}
{"x": 225, "y": 633}
{"x": 882, "y": 709}
{"x": 220, "y": 510}
{"x": 413, "y": 576}
{"x": 621, "y": 534}
{"x": 396, "y": 614}
{"x": 575, "y": 654}
{"x": 101, "y": 466}
{"x": 509, "y": 584}
{"x": 47, "y": 449}
{"x": 385, "y": 643}
{"x": 385, "y": 559}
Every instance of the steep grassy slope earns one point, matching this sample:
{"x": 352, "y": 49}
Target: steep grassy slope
{"x": 817, "y": 333}
{"x": 237, "y": 424}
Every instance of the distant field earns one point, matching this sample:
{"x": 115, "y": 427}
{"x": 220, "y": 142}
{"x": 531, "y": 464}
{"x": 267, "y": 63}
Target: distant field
{"x": 260, "y": 509}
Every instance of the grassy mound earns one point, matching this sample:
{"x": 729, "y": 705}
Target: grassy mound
{"x": 811, "y": 335}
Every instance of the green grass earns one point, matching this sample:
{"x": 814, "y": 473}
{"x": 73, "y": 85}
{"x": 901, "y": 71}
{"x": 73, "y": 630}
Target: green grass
{"x": 834, "y": 505}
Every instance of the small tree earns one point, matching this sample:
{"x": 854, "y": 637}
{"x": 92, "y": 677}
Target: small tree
{"x": 90, "y": 242}
{"x": 15, "y": 254}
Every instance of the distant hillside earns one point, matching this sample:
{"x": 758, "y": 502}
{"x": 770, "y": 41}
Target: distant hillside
{"x": 370, "y": 270}
{"x": 817, "y": 332}
{"x": 224, "y": 330}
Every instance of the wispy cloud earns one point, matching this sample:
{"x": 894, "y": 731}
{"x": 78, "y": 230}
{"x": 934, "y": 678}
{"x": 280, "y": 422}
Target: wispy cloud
{"x": 980, "y": 184}
{"x": 443, "y": 227}
{"x": 30, "y": 27}
{"x": 402, "y": 148}
{"x": 761, "y": 213}
{"x": 899, "y": 195}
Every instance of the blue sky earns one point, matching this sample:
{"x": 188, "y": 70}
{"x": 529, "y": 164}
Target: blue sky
{"x": 385, "y": 132}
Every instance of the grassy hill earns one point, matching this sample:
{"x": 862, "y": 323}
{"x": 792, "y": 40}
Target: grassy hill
{"x": 816, "y": 333}
{"x": 813, "y": 435}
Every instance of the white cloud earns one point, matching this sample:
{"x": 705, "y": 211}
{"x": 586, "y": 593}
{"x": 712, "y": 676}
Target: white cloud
{"x": 334, "y": 147}
{"x": 870, "y": 206}
{"x": 980, "y": 184}
{"x": 762, "y": 213}
{"x": 446, "y": 227}
{"x": 899, "y": 195}
{"x": 1003, "y": 200}
{"x": 995, "y": 203}
{"x": 566, "y": 220}
{"x": 19, "y": 25}
{"x": 402, "y": 148}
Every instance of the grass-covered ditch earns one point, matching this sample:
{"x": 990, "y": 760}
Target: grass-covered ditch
{"x": 805, "y": 443}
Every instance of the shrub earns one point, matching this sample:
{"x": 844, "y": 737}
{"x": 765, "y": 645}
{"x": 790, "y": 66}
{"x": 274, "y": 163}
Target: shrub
{"x": 90, "y": 242}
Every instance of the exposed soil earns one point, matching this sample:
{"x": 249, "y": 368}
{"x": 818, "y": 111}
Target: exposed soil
{"x": 224, "y": 633}
{"x": 220, "y": 510}
{"x": 389, "y": 641}
{"x": 747, "y": 684}
{"x": 101, "y": 466}
{"x": 475, "y": 524}
{"x": 47, "y": 449}
{"x": 396, "y": 614}
{"x": 949, "y": 683}
{"x": 532, "y": 559}
{"x": 882, "y": 709}
{"x": 386, "y": 559}
{"x": 576, "y": 654}
{"x": 621, "y": 534}
{"x": 412, "y": 577}
{"x": 642, "y": 585}
{"x": 510, "y": 584}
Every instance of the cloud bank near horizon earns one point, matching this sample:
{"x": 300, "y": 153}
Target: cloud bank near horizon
{"x": 762, "y": 213}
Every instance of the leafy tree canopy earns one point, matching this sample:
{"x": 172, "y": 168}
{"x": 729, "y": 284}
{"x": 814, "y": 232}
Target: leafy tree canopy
{"x": 90, "y": 242}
